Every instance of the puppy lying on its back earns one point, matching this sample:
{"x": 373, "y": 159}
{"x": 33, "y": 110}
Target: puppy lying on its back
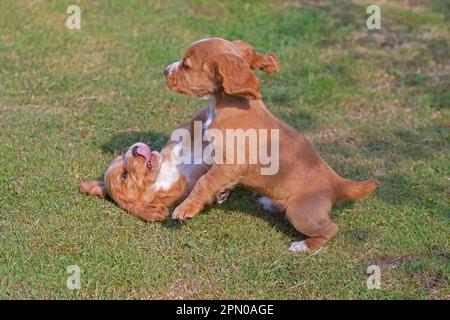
{"x": 146, "y": 182}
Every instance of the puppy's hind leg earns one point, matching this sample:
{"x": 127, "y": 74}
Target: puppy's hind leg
{"x": 311, "y": 216}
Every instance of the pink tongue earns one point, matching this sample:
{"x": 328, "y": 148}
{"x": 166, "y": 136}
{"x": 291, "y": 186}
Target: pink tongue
{"x": 144, "y": 151}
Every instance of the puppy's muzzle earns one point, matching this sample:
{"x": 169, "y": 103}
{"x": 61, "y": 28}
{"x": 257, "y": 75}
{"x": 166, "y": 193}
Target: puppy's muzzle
{"x": 166, "y": 71}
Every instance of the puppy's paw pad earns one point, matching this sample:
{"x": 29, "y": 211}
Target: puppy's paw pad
{"x": 299, "y": 246}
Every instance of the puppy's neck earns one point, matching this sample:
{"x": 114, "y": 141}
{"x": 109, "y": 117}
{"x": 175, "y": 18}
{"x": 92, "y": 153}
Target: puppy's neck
{"x": 223, "y": 101}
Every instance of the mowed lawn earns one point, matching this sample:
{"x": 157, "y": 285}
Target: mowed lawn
{"x": 375, "y": 104}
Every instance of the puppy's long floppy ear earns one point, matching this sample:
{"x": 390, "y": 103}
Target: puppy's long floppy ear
{"x": 147, "y": 211}
{"x": 257, "y": 61}
{"x": 94, "y": 188}
{"x": 237, "y": 78}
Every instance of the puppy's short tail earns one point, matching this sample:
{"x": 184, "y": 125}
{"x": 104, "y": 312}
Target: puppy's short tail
{"x": 355, "y": 190}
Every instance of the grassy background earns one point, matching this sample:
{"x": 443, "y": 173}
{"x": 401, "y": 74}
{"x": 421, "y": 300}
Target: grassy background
{"x": 373, "y": 103}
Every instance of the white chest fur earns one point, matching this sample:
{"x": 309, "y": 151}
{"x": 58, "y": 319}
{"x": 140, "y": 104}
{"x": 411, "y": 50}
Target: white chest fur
{"x": 167, "y": 176}
{"x": 170, "y": 173}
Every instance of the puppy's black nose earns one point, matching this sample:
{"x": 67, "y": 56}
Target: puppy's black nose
{"x": 166, "y": 72}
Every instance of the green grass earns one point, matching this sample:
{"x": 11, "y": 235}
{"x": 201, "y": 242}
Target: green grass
{"x": 375, "y": 104}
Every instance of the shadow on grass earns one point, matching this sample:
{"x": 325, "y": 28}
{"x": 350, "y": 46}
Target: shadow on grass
{"x": 243, "y": 200}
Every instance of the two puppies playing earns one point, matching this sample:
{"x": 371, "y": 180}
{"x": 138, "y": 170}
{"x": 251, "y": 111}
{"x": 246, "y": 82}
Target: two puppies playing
{"x": 305, "y": 188}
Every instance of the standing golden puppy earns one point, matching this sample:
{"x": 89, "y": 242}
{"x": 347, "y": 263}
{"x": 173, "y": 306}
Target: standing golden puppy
{"x": 304, "y": 186}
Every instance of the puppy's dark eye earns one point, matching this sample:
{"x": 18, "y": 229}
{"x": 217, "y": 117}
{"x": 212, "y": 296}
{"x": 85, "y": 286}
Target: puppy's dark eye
{"x": 123, "y": 176}
{"x": 185, "y": 65}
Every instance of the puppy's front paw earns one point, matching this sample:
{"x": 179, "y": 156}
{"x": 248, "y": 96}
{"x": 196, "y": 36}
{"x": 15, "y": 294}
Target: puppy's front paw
{"x": 299, "y": 246}
{"x": 184, "y": 212}
{"x": 177, "y": 214}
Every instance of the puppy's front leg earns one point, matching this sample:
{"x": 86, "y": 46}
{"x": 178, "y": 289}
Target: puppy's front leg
{"x": 216, "y": 180}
